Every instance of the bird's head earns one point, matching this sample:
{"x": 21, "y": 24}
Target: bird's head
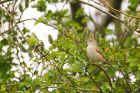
{"x": 91, "y": 42}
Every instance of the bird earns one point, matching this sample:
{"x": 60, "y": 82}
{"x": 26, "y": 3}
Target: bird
{"x": 93, "y": 52}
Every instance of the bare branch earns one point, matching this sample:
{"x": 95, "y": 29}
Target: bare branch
{"x": 102, "y": 11}
{"x": 1, "y": 2}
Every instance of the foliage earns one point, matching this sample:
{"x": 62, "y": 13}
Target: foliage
{"x": 26, "y": 66}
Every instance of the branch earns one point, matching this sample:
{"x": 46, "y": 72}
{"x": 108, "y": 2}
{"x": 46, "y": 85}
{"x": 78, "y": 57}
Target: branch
{"x": 116, "y": 11}
{"x": 16, "y": 24}
{"x": 102, "y": 11}
{"x": 126, "y": 80}
{"x": 1, "y": 2}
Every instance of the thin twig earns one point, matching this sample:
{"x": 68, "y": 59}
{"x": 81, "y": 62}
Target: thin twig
{"x": 16, "y": 24}
{"x": 1, "y": 2}
{"x": 102, "y": 11}
{"x": 117, "y": 11}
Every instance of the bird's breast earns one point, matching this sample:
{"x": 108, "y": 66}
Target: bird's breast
{"x": 91, "y": 52}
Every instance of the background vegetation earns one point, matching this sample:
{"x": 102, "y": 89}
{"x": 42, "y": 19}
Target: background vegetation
{"x": 65, "y": 67}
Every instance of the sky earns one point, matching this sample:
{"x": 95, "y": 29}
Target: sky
{"x": 41, "y": 30}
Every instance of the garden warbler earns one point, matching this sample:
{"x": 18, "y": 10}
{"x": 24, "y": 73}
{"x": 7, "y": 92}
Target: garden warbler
{"x": 93, "y": 51}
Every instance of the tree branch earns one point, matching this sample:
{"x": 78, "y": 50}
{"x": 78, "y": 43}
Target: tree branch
{"x": 1, "y": 2}
{"x": 102, "y": 11}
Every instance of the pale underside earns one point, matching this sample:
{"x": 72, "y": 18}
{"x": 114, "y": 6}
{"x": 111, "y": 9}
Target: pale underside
{"x": 94, "y": 54}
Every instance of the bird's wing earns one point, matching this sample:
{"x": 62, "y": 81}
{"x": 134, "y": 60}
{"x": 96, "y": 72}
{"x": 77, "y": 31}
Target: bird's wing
{"x": 100, "y": 52}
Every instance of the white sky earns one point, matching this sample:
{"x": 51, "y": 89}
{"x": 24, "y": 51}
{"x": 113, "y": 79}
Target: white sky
{"x": 42, "y": 31}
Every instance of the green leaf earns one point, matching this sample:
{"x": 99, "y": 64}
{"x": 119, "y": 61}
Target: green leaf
{"x": 79, "y": 12}
{"x": 3, "y": 87}
{"x": 25, "y": 30}
{"x": 26, "y": 3}
{"x": 21, "y": 8}
{"x": 50, "y": 39}
{"x": 134, "y": 2}
{"x": 41, "y": 5}
{"x": 133, "y": 5}
{"x": 111, "y": 71}
{"x": 106, "y": 87}
{"x": 32, "y": 41}
{"x": 84, "y": 79}
{"x": 22, "y": 85}
{"x": 76, "y": 67}
{"x": 4, "y": 42}
{"x": 51, "y": 76}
